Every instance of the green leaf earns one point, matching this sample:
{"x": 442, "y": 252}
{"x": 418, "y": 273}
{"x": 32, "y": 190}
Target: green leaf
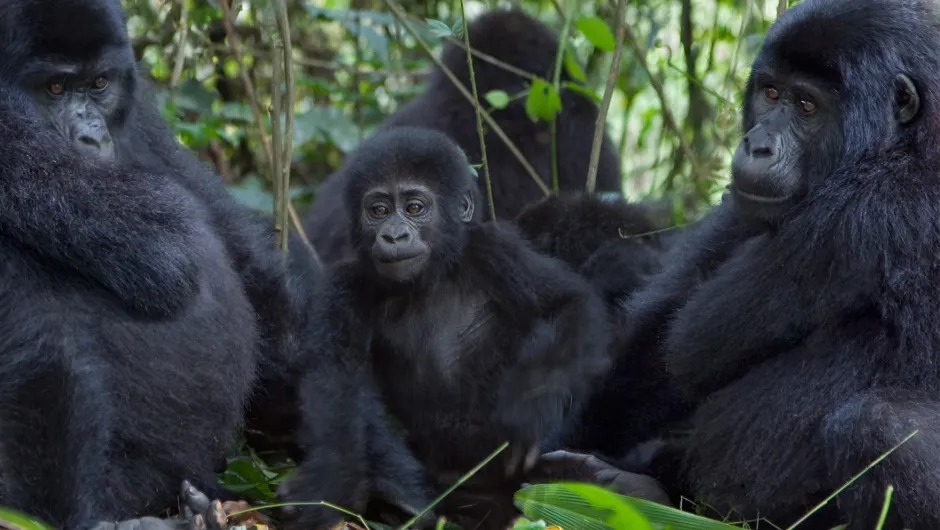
{"x": 497, "y": 98}
{"x": 597, "y": 32}
{"x": 438, "y": 28}
{"x": 581, "y": 89}
{"x": 522, "y": 524}
{"x": 581, "y": 506}
{"x": 457, "y": 28}
{"x": 584, "y": 505}
{"x": 572, "y": 66}
{"x": 191, "y": 95}
{"x": 542, "y": 102}
{"x": 19, "y": 521}
{"x": 250, "y": 192}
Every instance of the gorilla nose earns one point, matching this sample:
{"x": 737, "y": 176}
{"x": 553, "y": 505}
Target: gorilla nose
{"x": 403, "y": 236}
{"x": 761, "y": 145}
{"x": 95, "y": 141}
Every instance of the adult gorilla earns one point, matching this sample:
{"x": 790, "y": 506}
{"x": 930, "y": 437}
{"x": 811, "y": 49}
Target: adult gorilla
{"x": 126, "y": 340}
{"x": 517, "y": 39}
{"x": 73, "y": 60}
{"x": 802, "y": 314}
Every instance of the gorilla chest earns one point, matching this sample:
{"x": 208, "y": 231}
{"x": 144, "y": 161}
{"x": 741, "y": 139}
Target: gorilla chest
{"x": 435, "y": 341}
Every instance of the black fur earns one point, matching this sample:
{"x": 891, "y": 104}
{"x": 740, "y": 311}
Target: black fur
{"x": 99, "y": 46}
{"x": 613, "y": 243}
{"x": 491, "y": 342}
{"x": 811, "y": 339}
{"x": 127, "y": 344}
{"x": 616, "y": 246}
{"x": 521, "y": 41}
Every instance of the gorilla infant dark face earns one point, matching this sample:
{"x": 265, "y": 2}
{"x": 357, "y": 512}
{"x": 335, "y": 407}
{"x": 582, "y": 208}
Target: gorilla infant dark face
{"x": 399, "y": 215}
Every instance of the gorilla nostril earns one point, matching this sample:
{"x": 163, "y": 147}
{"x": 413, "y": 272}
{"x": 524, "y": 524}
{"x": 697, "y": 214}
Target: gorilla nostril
{"x": 388, "y": 239}
{"x": 762, "y": 151}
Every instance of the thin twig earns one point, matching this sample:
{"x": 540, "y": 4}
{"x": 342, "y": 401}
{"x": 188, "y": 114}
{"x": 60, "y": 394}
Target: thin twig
{"x": 477, "y": 112}
{"x": 399, "y": 14}
{"x": 556, "y": 84}
{"x": 601, "y": 123}
{"x": 357, "y": 104}
{"x": 781, "y": 7}
{"x": 283, "y": 28}
{"x": 181, "y": 47}
{"x": 668, "y": 119}
{"x": 234, "y": 45}
{"x": 277, "y": 139}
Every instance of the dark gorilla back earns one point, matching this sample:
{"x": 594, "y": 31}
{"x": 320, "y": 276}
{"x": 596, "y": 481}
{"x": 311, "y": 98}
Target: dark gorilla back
{"x": 515, "y": 38}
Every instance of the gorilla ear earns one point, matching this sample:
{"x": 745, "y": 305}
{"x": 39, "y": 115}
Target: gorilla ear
{"x": 466, "y": 215}
{"x": 906, "y": 100}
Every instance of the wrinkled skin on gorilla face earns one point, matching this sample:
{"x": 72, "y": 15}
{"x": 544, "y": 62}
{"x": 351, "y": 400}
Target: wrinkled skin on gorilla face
{"x": 75, "y": 62}
{"x": 400, "y": 218}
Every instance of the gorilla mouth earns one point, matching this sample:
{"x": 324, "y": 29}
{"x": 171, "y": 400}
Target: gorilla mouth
{"x": 761, "y": 199}
{"x": 398, "y": 257}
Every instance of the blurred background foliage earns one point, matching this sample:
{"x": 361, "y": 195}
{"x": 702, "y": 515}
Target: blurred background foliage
{"x": 354, "y": 64}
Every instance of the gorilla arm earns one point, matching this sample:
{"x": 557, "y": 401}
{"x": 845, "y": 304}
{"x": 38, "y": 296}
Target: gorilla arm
{"x": 566, "y": 350}
{"x": 54, "y": 204}
{"x": 351, "y": 453}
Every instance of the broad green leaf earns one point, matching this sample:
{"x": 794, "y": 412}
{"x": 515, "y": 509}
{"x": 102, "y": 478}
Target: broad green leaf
{"x": 438, "y": 28}
{"x": 580, "y": 506}
{"x": 191, "y": 95}
{"x": 581, "y": 89}
{"x": 457, "y": 28}
{"x": 597, "y": 32}
{"x": 15, "y": 520}
{"x": 497, "y": 98}
{"x": 672, "y": 518}
{"x": 542, "y": 102}
{"x": 572, "y": 66}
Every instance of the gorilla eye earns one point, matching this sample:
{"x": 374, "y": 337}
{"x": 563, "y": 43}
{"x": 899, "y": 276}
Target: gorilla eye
{"x": 380, "y": 210}
{"x": 771, "y": 93}
{"x": 414, "y": 208}
{"x": 808, "y": 106}
{"x": 100, "y": 83}
{"x": 56, "y": 88}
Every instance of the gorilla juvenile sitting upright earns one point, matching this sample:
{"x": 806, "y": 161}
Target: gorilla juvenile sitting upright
{"x": 522, "y": 41}
{"x": 127, "y": 344}
{"x": 802, "y": 313}
{"x": 471, "y": 337}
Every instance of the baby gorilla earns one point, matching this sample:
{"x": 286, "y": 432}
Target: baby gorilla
{"x": 470, "y": 337}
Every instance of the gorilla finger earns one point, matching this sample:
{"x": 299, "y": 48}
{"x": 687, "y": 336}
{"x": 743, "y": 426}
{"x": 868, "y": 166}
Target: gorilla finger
{"x": 532, "y": 457}
{"x": 513, "y": 459}
{"x": 216, "y": 518}
{"x": 193, "y": 498}
{"x": 198, "y": 522}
